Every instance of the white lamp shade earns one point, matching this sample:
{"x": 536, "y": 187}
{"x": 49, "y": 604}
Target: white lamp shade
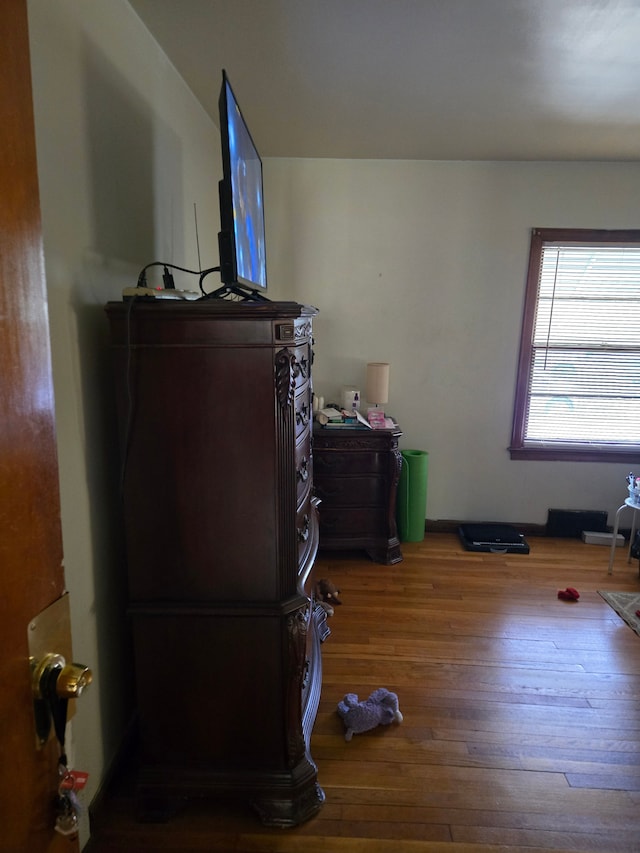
{"x": 377, "y": 388}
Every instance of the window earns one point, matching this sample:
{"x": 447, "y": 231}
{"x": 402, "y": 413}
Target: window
{"x": 578, "y": 385}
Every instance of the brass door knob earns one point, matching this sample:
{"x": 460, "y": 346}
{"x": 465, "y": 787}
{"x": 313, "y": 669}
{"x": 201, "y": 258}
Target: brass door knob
{"x": 71, "y": 680}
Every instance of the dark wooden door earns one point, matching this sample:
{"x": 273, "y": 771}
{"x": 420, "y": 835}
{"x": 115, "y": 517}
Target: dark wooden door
{"x": 30, "y": 536}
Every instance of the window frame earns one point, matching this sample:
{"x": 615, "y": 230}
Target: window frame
{"x": 557, "y": 452}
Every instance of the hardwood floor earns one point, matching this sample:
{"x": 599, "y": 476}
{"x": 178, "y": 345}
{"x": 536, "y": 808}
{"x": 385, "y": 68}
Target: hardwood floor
{"x": 521, "y": 713}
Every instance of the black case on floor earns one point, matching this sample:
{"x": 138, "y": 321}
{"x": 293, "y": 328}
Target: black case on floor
{"x": 493, "y": 538}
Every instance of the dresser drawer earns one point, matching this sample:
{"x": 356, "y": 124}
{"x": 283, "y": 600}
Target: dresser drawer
{"x": 351, "y": 491}
{"x": 356, "y": 440}
{"x": 334, "y": 462}
{"x": 353, "y": 522}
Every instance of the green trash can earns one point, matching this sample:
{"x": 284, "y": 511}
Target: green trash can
{"x": 412, "y": 495}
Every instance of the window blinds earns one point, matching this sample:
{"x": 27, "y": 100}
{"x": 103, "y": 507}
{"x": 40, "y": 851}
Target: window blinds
{"x": 584, "y": 384}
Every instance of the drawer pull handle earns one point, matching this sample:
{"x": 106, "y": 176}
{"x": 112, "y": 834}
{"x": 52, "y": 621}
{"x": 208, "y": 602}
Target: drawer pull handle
{"x": 303, "y": 470}
{"x": 301, "y": 368}
{"x": 303, "y": 532}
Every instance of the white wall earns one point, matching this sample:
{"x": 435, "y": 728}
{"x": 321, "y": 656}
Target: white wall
{"x": 124, "y": 153}
{"x": 423, "y": 265}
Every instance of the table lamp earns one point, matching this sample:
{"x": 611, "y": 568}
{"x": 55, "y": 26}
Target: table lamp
{"x": 377, "y": 384}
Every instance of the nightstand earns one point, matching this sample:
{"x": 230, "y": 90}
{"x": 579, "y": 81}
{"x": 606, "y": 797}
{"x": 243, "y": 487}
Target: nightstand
{"x": 356, "y": 474}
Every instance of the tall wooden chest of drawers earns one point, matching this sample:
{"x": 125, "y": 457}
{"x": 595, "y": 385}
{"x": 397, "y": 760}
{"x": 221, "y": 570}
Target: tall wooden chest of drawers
{"x": 214, "y": 402}
{"x": 356, "y": 475}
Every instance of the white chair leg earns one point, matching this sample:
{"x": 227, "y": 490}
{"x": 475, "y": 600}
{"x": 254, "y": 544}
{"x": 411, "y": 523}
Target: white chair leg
{"x": 633, "y": 532}
{"x": 616, "y": 524}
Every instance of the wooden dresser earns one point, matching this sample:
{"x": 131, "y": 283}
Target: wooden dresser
{"x": 356, "y": 475}
{"x": 214, "y": 402}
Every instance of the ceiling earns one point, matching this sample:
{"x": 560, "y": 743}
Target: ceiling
{"x": 416, "y": 79}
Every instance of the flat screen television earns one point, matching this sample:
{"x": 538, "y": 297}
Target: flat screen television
{"x": 241, "y": 241}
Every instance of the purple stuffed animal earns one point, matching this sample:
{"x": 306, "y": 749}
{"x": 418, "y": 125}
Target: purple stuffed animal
{"x": 380, "y": 709}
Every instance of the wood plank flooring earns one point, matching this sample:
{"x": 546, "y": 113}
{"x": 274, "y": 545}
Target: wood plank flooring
{"x": 521, "y": 713}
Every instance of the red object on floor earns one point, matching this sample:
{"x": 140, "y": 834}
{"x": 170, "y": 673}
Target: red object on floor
{"x": 568, "y": 594}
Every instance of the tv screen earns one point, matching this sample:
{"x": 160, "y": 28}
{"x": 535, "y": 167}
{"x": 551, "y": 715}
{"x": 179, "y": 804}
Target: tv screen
{"x": 242, "y": 237}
